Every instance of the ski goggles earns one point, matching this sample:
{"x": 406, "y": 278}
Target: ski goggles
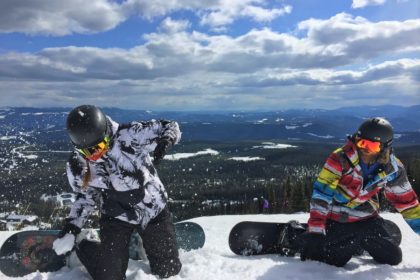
{"x": 96, "y": 152}
{"x": 368, "y": 145}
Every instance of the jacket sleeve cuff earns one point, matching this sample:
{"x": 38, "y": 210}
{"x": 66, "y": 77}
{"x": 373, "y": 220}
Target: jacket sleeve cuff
{"x": 315, "y": 229}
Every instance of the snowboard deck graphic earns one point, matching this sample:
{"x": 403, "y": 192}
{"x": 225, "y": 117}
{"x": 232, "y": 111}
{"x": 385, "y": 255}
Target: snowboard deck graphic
{"x": 256, "y": 238}
{"x": 261, "y": 238}
{"x": 29, "y": 251}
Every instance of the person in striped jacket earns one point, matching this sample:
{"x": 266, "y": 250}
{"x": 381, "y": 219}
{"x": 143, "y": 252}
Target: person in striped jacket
{"x": 344, "y": 208}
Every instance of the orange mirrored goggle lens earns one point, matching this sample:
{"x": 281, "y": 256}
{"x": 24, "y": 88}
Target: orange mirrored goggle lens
{"x": 95, "y": 152}
{"x": 371, "y": 146}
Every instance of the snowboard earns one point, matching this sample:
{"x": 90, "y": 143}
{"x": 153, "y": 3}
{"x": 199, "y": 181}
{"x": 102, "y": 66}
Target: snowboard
{"x": 29, "y": 251}
{"x": 261, "y": 238}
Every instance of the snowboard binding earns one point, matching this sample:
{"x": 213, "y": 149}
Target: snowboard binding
{"x": 289, "y": 238}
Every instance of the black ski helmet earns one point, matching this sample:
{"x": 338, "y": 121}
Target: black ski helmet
{"x": 87, "y": 126}
{"x": 377, "y": 129}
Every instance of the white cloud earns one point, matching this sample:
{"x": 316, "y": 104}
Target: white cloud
{"x": 178, "y": 68}
{"x": 264, "y": 58}
{"x": 339, "y": 41}
{"x": 228, "y": 11}
{"x": 355, "y": 37}
{"x": 214, "y": 13}
{"x": 173, "y": 26}
{"x": 208, "y": 91}
{"x": 59, "y": 18}
{"x": 357, "y": 4}
{"x": 260, "y": 14}
{"x": 389, "y": 70}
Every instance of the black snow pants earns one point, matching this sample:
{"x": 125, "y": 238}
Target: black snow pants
{"x": 343, "y": 240}
{"x": 108, "y": 260}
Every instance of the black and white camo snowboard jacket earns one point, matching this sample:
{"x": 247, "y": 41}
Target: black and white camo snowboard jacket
{"x": 124, "y": 181}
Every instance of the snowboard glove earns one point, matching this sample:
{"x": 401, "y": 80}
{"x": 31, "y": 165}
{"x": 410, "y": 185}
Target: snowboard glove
{"x": 69, "y": 228}
{"x": 160, "y": 151}
{"x": 312, "y": 246}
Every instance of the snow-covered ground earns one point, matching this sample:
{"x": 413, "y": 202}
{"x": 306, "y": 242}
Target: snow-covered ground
{"x": 179, "y": 156}
{"x": 246, "y": 158}
{"x": 271, "y": 145}
{"x": 216, "y": 262}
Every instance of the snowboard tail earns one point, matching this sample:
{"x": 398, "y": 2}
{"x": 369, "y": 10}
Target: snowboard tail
{"x": 189, "y": 236}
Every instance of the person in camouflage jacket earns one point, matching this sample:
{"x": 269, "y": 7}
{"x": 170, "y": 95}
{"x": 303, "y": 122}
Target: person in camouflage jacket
{"x": 111, "y": 168}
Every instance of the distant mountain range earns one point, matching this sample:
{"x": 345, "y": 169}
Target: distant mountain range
{"x": 34, "y": 144}
{"x": 48, "y": 124}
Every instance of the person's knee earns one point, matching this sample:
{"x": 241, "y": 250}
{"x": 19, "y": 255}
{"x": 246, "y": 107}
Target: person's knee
{"x": 337, "y": 258}
{"x": 396, "y": 260}
{"x": 383, "y": 250}
{"x": 392, "y": 257}
{"x": 167, "y": 268}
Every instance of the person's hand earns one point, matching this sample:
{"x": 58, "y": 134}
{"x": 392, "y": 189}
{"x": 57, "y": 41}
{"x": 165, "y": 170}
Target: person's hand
{"x": 160, "y": 151}
{"x": 313, "y": 246}
{"x": 69, "y": 228}
{"x": 66, "y": 239}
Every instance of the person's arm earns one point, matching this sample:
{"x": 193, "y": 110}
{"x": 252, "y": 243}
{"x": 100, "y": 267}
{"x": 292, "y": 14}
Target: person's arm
{"x": 156, "y": 136}
{"x": 156, "y": 129}
{"x": 402, "y": 196}
{"x": 323, "y": 192}
{"x": 170, "y": 130}
{"x": 321, "y": 200}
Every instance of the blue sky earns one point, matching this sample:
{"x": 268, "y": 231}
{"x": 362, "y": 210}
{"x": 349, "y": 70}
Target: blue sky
{"x": 210, "y": 54}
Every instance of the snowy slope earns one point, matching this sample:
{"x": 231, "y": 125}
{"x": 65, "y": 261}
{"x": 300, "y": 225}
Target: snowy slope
{"x": 216, "y": 262}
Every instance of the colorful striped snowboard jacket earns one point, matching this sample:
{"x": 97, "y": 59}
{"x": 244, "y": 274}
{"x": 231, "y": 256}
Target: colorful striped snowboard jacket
{"x": 340, "y": 194}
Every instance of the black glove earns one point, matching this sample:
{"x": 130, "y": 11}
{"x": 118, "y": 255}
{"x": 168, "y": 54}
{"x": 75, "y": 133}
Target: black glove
{"x": 312, "y": 246}
{"x": 69, "y": 228}
{"x": 160, "y": 151}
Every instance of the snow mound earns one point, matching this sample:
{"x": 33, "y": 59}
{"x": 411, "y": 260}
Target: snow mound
{"x": 216, "y": 262}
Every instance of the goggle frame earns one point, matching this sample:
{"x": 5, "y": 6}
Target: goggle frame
{"x": 93, "y": 152}
{"x": 369, "y": 145}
